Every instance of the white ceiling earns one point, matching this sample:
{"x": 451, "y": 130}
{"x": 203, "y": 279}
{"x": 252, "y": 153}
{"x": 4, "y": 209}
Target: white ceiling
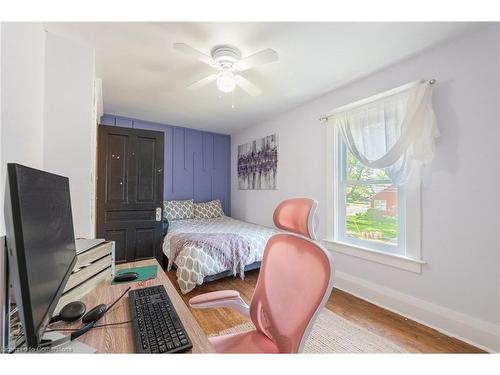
{"x": 143, "y": 77}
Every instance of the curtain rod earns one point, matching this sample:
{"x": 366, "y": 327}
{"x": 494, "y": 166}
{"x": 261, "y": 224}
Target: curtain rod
{"x": 375, "y": 97}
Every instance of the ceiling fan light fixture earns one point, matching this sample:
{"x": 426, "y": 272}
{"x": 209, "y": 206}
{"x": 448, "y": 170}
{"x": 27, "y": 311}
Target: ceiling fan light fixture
{"x": 227, "y": 59}
{"x": 226, "y": 82}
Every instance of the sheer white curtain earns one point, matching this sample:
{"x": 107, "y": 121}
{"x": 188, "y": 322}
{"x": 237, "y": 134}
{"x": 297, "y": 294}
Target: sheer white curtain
{"x": 395, "y": 133}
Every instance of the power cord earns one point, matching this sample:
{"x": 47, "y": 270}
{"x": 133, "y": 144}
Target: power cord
{"x": 119, "y": 298}
{"x": 98, "y": 326}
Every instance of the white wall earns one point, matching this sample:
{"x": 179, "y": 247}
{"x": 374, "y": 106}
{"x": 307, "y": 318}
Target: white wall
{"x": 2, "y": 224}
{"x": 21, "y": 92}
{"x": 69, "y": 124}
{"x": 23, "y": 55}
{"x": 459, "y": 191}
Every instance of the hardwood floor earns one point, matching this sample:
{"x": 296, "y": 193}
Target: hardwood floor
{"x": 404, "y": 332}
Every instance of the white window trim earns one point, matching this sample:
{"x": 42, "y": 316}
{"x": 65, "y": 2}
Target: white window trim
{"x": 412, "y": 260}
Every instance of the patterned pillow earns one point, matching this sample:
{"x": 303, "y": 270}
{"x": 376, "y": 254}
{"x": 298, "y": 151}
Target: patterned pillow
{"x": 174, "y": 210}
{"x": 208, "y": 210}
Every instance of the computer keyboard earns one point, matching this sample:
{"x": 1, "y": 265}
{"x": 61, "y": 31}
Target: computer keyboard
{"x": 157, "y": 327}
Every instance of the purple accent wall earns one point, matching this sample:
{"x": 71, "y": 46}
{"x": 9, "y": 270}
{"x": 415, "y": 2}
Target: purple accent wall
{"x": 197, "y": 163}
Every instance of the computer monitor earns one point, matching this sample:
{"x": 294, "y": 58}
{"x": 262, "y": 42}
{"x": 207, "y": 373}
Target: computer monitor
{"x": 40, "y": 244}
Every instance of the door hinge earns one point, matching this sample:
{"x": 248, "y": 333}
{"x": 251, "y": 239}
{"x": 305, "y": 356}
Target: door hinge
{"x": 158, "y": 213}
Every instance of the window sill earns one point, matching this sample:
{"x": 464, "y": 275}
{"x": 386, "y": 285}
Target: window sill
{"x": 393, "y": 260}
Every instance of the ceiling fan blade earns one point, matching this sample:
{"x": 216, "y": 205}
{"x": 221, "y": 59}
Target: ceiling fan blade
{"x": 260, "y": 58}
{"x": 190, "y": 51}
{"x": 203, "y": 82}
{"x": 247, "y": 86}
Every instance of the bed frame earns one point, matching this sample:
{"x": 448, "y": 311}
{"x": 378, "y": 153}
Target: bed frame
{"x": 221, "y": 275}
{"x": 217, "y": 276}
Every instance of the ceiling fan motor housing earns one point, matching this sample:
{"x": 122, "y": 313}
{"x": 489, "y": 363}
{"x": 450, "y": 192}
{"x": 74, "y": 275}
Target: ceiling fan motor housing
{"x": 226, "y": 56}
{"x": 227, "y": 59}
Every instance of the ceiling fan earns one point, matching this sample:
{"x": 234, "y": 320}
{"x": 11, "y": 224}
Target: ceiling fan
{"x": 227, "y": 59}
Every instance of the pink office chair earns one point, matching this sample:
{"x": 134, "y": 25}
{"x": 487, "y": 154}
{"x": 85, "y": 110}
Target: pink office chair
{"x": 295, "y": 281}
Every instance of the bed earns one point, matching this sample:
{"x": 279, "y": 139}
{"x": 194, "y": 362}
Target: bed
{"x": 194, "y": 264}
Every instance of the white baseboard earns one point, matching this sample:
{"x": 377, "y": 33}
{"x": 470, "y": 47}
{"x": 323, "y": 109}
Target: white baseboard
{"x": 482, "y": 334}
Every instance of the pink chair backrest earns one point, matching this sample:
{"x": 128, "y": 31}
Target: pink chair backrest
{"x": 297, "y": 215}
{"x": 295, "y": 279}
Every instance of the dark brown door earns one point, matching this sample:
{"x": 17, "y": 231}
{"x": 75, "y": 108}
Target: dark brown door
{"x": 130, "y": 191}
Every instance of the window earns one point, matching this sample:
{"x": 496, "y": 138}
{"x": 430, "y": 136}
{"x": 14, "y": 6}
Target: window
{"x": 380, "y": 205}
{"x": 367, "y": 215}
{"x": 370, "y": 213}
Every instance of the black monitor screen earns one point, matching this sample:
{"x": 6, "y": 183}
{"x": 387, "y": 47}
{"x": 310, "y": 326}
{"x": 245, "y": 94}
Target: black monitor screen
{"x": 43, "y": 230}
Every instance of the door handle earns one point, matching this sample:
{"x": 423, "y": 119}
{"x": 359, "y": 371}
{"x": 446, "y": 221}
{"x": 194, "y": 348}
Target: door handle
{"x": 158, "y": 213}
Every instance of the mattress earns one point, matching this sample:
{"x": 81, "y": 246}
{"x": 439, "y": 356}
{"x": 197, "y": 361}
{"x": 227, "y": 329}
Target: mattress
{"x": 193, "y": 264}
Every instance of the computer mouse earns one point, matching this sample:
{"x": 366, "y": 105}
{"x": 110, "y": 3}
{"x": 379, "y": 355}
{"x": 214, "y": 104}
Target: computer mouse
{"x": 127, "y": 276}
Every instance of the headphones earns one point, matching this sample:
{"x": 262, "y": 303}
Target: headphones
{"x": 70, "y": 312}
{"x": 74, "y": 311}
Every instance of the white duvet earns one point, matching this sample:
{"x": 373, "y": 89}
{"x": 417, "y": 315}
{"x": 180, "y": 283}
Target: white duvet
{"x": 193, "y": 264}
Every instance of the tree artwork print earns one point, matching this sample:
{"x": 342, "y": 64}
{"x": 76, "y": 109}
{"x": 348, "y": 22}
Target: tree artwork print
{"x": 258, "y": 164}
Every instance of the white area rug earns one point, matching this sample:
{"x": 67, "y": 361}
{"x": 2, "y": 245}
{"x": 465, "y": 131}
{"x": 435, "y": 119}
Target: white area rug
{"x": 334, "y": 334}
